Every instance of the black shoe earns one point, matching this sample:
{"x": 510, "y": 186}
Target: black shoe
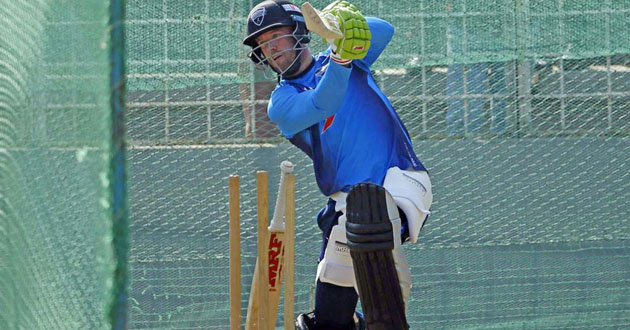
{"x": 307, "y": 322}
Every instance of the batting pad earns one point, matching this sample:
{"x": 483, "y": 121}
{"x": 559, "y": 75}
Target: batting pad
{"x": 371, "y": 241}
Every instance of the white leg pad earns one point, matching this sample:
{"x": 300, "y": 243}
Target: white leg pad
{"x": 402, "y": 266}
{"x": 336, "y": 267}
{"x": 412, "y": 192}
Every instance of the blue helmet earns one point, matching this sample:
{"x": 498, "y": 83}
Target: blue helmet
{"x": 271, "y": 14}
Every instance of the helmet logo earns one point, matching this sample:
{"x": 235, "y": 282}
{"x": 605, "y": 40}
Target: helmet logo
{"x": 259, "y": 16}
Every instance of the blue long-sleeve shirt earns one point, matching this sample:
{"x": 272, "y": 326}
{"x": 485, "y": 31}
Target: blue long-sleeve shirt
{"x": 340, "y": 118}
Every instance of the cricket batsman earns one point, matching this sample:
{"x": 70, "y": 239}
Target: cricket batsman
{"x": 330, "y": 107}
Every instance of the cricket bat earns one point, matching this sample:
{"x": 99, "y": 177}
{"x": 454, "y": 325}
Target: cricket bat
{"x": 275, "y": 253}
{"x": 324, "y": 26}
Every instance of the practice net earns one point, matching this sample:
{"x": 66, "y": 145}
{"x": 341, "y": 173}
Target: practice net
{"x": 56, "y": 256}
{"x": 520, "y": 109}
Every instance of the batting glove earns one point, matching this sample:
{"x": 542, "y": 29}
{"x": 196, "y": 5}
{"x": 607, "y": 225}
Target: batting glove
{"x": 356, "y": 41}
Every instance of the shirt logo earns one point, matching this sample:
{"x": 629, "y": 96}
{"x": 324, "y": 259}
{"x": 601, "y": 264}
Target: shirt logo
{"x": 328, "y": 123}
{"x": 259, "y": 16}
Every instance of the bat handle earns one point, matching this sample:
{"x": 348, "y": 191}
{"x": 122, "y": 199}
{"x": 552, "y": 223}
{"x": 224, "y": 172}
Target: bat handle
{"x": 286, "y": 167}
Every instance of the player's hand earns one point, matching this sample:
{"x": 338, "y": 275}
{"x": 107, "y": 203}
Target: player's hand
{"x": 356, "y": 41}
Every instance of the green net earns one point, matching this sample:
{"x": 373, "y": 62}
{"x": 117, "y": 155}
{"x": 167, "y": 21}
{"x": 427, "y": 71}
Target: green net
{"x": 56, "y": 258}
{"x": 520, "y": 110}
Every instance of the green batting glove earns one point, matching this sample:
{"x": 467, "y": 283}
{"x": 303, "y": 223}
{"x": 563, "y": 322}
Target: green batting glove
{"x": 356, "y": 41}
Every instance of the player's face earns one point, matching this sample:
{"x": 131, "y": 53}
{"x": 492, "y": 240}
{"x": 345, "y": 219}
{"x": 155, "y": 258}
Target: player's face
{"x": 277, "y": 46}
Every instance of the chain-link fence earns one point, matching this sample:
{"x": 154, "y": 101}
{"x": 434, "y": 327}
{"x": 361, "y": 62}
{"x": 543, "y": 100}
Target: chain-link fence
{"x": 520, "y": 109}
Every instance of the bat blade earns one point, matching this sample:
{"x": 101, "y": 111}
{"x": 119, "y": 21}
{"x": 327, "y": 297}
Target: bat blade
{"x": 275, "y": 259}
{"x": 276, "y": 262}
{"x": 318, "y": 24}
{"x": 275, "y": 249}
{"x": 275, "y": 253}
